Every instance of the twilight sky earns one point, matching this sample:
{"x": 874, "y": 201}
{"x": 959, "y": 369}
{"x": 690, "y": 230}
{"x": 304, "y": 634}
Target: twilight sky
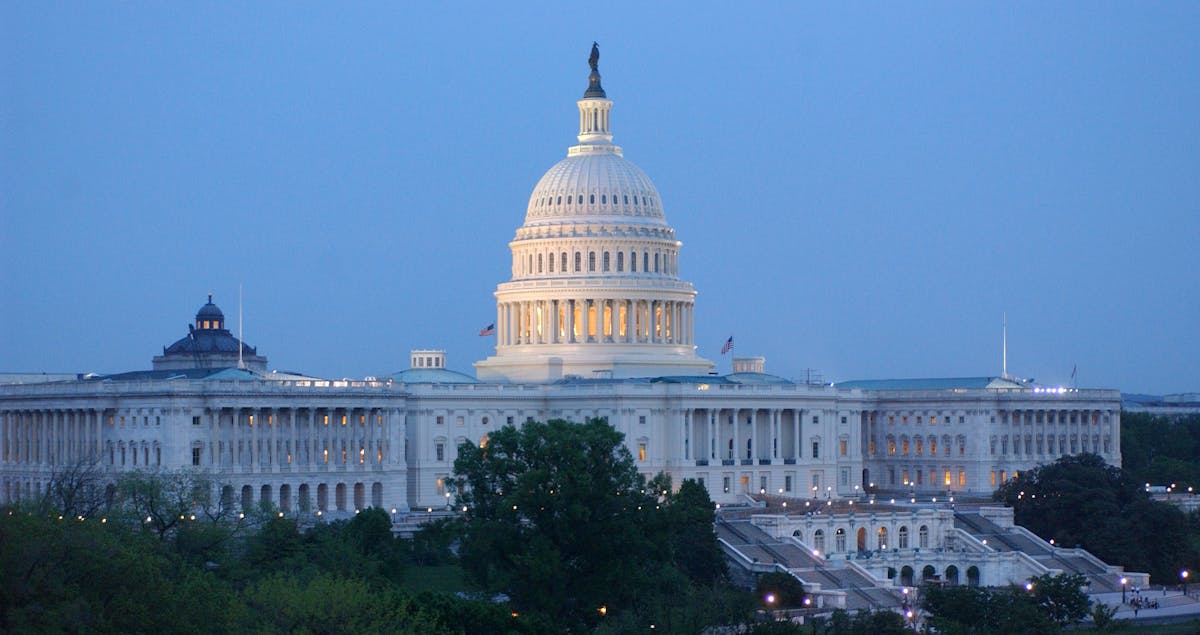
{"x": 862, "y": 190}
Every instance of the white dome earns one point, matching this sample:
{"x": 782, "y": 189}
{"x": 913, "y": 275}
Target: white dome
{"x": 595, "y": 187}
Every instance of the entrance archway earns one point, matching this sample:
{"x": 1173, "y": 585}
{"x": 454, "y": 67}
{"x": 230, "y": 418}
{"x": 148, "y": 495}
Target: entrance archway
{"x": 951, "y": 575}
{"x": 906, "y": 576}
{"x": 973, "y": 576}
{"x": 928, "y": 573}
{"x": 862, "y": 539}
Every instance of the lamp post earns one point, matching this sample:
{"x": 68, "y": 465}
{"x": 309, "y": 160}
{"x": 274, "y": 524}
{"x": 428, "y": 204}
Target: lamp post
{"x": 1124, "y": 581}
{"x": 1183, "y": 575}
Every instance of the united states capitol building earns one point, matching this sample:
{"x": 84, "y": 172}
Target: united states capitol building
{"x": 594, "y": 321}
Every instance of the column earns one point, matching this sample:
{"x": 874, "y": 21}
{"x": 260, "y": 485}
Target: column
{"x": 797, "y": 418}
{"x": 754, "y": 435}
{"x": 737, "y": 439}
{"x": 713, "y": 437}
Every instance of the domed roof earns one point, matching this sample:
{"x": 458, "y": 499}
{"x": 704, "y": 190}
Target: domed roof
{"x": 210, "y": 311}
{"x": 595, "y": 187}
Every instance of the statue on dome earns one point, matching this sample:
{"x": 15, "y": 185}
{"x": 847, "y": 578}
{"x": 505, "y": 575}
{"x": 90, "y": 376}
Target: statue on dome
{"x": 594, "y": 58}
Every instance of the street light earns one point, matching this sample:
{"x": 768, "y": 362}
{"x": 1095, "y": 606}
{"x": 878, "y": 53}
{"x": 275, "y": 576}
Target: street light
{"x": 1124, "y": 581}
{"x": 1029, "y": 585}
{"x": 1183, "y": 575}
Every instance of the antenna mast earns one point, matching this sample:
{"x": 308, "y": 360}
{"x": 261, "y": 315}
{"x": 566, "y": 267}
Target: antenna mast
{"x": 1004, "y": 345}
{"x": 241, "y": 364}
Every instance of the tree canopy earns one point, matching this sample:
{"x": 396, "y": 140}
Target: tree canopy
{"x": 559, "y": 519}
{"x": 1081, "y": 500}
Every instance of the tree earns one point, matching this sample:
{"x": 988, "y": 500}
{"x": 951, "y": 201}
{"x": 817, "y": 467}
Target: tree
{"x": 1061, "y": 597}
{"x": 1080, "y": 500}
{"x": 783, "y": 588}
{"x": 558, "y": 518}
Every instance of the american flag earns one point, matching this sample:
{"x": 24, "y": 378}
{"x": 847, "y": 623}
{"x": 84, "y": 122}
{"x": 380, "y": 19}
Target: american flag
{"x": 728, "y": 345}
{"x": 488, "y": 330}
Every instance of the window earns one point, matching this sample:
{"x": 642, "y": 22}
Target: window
{"x": 839, "y": 539}
{"x": 195, "y": 456}
{"x": 440, "y": 450}
{"x": 902, "y": 537}
{"x": 508, "y": 420}
{"x": 816, "y": 449}
{"x": 842, "y": 447}
{"x": 441, "y": 420}
{"x": 646, "y": 261}
{"x": 196, "y": 420}
{"x": 843, "y": 419}
{"x": 459, "y": 421}
{"x": 592, "y": 199}
{"x": 923, "y": 537}
{"x": 591, "y": 261}
{"x": 620, "y": 261}
{"x": 726, "y": 484}
{"x": 605, "y": 262}
{"x": 641, "y": 451}
{"x": 642, "y": 419}
{"x": 484, "y": 421}
{"x": 787, "y": 483}
{"x": 816, "y": 419}
{"x": 578, "y": 262}
{"x": 563, "y": 262}
{"x": 819, "y": 541}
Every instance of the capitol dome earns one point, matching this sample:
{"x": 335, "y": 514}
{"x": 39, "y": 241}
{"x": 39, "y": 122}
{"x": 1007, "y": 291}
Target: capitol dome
{"x": 595, "y": 187}
{"x": 595, "y": 288}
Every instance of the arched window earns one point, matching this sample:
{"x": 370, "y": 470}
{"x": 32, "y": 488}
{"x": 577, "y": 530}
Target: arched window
{"x": 551, "y": 262}
{"x": 578, "y": 262}
{"x": 633, "y": 261}
{"x": 839, "y": 540}
{"x": 579, "y": 199}
{"x": 646, "y": 261}
{"x": 592, "y": 199}
{"x": 563, "y": 262}
{"x": 591, "y": 261}
{"x": 603, "y": 199}
{"x": 881, "y": 538}
{"x": 920, "y": 445}
{"x": 605, "y": 262}
{"x": 904, "y": 445}
{"x": 923, "y": 537}
{"x": 560, "y": 200}
{"x": 620, "y": 261}
{"x": 819, "y": 541}
{"x": 656, "y": 269}
{"x": 539, "y": 263}
{"x": 902, "y": 537}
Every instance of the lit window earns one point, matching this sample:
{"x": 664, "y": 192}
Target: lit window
{"x": 842, "y": 447}
{"x": 641, "y": 451}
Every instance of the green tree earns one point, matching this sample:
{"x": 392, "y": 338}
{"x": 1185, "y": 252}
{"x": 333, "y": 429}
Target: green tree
{"x": 1080, "y": 500}
{"x": 784, "y": 588}
{"x": 558, "y": 519}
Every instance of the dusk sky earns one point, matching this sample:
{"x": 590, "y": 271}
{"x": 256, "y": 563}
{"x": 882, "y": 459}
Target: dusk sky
{"x": 860, "y": 189}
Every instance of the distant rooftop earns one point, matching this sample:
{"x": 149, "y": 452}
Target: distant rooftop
{"x": 942, "y": 383}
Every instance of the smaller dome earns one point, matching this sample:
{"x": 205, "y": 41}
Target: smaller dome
{"x": 209, "y": 316}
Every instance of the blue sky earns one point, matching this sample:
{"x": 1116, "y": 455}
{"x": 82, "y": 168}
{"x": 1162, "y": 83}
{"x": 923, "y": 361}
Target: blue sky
{"x": 861, "y": 189}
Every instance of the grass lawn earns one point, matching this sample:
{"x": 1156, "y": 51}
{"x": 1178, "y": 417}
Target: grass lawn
{"x": 446, "y": 578}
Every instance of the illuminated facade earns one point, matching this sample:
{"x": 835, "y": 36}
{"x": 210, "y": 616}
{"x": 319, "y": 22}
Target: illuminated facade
{"x": 595, "y": 321}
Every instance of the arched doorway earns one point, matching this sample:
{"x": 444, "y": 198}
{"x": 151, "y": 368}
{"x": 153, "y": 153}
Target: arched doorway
{"x": 322, "y": 497}
{"x": 906, "y": 576}
{"x": 881, "y": 538}
{"x": 862, "y": 539}
{"x": 866, "y": 480}
{"x": 304, "y": 502}
{"x": 285, "y": 498}
{"x": 928, "y": 573}
{"x": 247, "y": 497}
{"x": 359, "y": 496}
{"x": 952, "y": 575}
{"x": 264, "y": 499}
{"x": 226, "y": 498}
{"x": 339, "y": 497}
{"x": 377, "y": 495}
{"x": 973, "y": 576}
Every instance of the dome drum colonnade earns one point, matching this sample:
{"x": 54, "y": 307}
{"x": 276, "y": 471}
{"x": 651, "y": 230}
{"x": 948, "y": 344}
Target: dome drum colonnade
{"x": 595, "y": 286}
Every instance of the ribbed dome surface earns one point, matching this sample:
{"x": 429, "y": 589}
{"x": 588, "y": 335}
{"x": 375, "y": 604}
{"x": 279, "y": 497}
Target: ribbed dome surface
{"x": 601, "y": 186}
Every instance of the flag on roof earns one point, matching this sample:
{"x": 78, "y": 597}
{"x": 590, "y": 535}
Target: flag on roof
{"x": 728, "y": 345}
{"x": 488, "y": 330}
